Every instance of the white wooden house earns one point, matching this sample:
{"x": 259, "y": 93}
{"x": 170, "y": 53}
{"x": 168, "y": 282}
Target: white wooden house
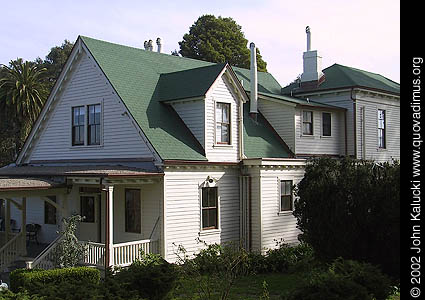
{"x": 157, "y": 151}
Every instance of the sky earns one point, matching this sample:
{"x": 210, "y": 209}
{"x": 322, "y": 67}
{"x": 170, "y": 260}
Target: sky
{"x": 363, "y": 34}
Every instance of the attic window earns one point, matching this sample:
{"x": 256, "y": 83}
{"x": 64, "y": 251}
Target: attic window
{"x": 78, "y": 114}
{"x": 222, "y": 117}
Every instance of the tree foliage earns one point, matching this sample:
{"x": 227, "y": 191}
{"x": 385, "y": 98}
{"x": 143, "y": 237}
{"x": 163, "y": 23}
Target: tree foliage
{"x": 218, "y": 40}
{"x": 351, "y": 208}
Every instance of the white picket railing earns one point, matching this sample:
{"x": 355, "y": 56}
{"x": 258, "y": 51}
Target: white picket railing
{"x": 45, "y": 259}
{"x": 94, "y": 254}
{"x": 11, "y": 250}
{"x": 126, "y": 253}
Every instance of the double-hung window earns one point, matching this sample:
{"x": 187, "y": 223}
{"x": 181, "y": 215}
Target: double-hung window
{"x": 222, "y": 119}
{"x": 133, "y": 211}
{"x": 86, "y": 125}
{"x": 381, "y": 129}
{"x": 78, "y": 122}
{"x": 326, "y": 124}
{"x": 307, "y": 122}
{"x": 93, "y": 128}
{"x": 286, "y": 203}
{"x": 209, "y": 208}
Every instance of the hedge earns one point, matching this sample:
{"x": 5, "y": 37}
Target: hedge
{"x": 34, "y": 279}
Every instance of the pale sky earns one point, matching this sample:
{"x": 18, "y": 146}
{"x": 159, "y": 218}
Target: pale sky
{"x": 363, "y": 34}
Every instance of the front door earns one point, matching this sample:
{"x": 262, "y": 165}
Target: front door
{"x": 89, "y": 210}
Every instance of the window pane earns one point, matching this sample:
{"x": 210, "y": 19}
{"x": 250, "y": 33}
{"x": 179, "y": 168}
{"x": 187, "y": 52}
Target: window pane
{"x": 212, "y": 218}
{"x": 225, "y": 133}
{"x": 212, "y": 197}
{"x": 225, "y": 113}
{"x": 219, "y": 113}
{"x": 286, "y": 203}
{"x": 87, "y": 208}
{"x": 132, "y": 211}
{"x": 218, "y": 133}
{"x": 205, "y": 218}
{"x": 326, "y": 124}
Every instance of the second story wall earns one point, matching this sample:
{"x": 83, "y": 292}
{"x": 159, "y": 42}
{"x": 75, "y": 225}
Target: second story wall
{"x": 118, "y": 136}
{"x": 318, "y": 143}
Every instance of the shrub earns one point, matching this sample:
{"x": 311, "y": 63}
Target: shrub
{"x": 151, "y": 277}
{"x": 351, "y": 209}
{"x": 9, "y": 295}
{"x": 330, "y": 287}
{"x": 364, "y": 274}
{"x": 35, "y": 281}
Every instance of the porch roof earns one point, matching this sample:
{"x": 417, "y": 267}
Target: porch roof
{"x": 81, "y": 170}
{"x": 8, "y": 184}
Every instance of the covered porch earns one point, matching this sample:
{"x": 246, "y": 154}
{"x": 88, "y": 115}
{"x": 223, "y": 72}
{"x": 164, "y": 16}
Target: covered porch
{"x": 121, "y": 209}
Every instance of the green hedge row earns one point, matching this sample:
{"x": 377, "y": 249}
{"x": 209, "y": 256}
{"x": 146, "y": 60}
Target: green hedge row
{"x": 35, "y": 279}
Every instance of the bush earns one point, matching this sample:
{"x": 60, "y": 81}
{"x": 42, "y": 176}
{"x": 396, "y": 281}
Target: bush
{"x": 364, "y": 274}
{"x": 344, "y": 279}
{"x": 151, "y": 277}
{"x": 9, "y": 295}
{"x": 37, "y": 281}
{"x": 351, "y": 209}
{"x": 330, "y": 287}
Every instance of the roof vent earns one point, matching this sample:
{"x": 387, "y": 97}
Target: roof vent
{"x": 159, "y": 43}
{"x": 254, "y": 82}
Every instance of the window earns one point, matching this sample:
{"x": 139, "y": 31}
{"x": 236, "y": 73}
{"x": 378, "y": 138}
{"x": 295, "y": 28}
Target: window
{"x": 381, "y": 129}
{"x": 222, "y": 117}
{"x": 209, "y": 208}
{"x": 87, "y": 208}
{"x": 133, "y": 211}
{"x": 286, "y": 195}
{"x": 78, "y": 125}
{"x": 326, "y": 124}
{"x": 50, "y": 211}
{"x": 308, "y": 122}
{"x": 93, "y": 128}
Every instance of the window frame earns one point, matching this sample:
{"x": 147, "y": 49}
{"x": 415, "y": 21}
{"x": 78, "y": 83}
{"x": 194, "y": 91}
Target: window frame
{"x": 137, "y": 214}
{"x": 229, "y": 124}
{"x": 96, "y": 125}
{"x": 382, "y": 136}
{"x": 305, "y": 122}
{"x": 216, "y": 208}
{"x": 50, "y": 208}
{"x": 80, "y": 108}
{"x": 291, "y": 196}
{"x": 86, "y": 126}
{"x": 330, "y": 124}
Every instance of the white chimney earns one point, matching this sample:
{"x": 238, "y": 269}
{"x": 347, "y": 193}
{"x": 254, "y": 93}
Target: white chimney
{"x": 254, "y": 81}
{"x": 159, "y": 43}
{"x": 312, "y": 62}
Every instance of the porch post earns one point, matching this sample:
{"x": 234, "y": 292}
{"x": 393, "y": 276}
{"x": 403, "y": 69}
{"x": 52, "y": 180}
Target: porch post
{"x": 23, "y": 226}
{"x": 109, "y": 236}
{"x": 7, "y": 221}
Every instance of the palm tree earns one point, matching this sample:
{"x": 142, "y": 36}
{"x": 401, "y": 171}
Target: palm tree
{"x": 22, "y": 96}
{"x": 22, "y": 90}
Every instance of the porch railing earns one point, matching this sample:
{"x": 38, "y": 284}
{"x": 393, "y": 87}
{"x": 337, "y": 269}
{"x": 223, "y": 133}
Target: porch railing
{"x": 11, "y": 250}
{"x": 126, "y": 253}
{"x": 95, "y": 254}
{"x": 45, "y": 259}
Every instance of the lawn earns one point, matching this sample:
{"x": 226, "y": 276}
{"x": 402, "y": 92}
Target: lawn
{"x": 248, "y": 287}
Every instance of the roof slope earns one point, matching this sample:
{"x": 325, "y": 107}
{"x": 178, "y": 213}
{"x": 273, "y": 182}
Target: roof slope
{"x": 144, "y": 79}
{"x": 339, "y": 76}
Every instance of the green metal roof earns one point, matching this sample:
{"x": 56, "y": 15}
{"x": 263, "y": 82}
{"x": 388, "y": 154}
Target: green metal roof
{"x": 259, "y": 139}
{"x": 144, "y": 79}
{"x": 339, "y": 76}
{"x": 299, "y": 101}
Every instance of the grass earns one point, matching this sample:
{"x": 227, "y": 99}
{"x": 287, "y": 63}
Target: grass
{"x": 248, "y": 287}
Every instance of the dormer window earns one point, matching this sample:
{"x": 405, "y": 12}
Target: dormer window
{"x": 222, "y": 117}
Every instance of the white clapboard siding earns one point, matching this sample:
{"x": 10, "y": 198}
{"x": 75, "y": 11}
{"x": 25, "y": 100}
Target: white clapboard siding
{"x": 221, "y": 91}
{"x": 276, "y": 227}
{"x": 342, "y": 100}
{"x": 282, "y": 118}
{"x": 183, "y": 209}
{"x": 369, "y": 143}
{"x": 87, "y": 85}
{"x": 193, "y": 115}
{"x": 316, "y": 143}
